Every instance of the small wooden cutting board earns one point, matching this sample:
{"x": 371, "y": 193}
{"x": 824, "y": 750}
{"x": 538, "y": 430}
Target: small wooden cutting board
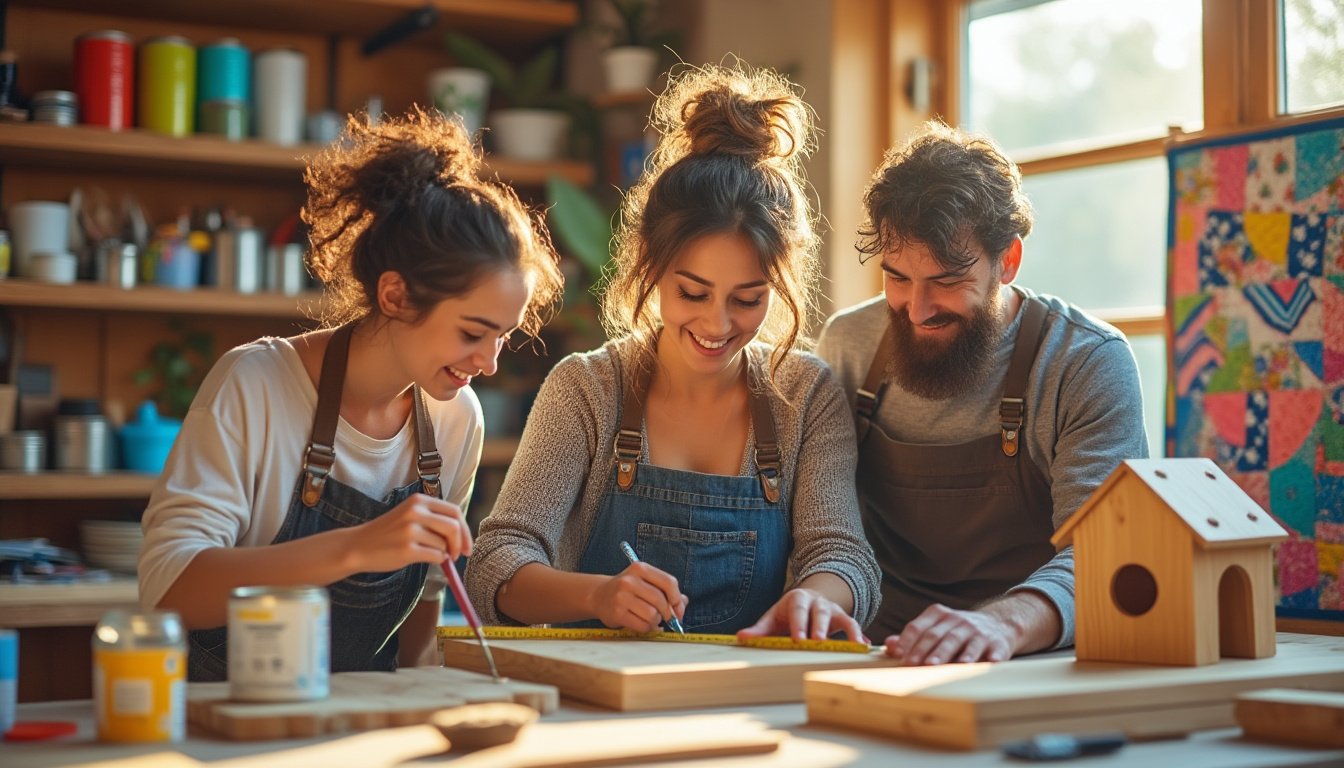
{"x": 358, "y": 701}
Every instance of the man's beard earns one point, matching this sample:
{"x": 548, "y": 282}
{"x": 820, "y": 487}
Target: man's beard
{"x": 935, "y": 369}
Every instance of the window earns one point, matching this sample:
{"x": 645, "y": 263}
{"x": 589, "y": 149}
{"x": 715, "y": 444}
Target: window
{"x": 1312, "y": 54}
{"x": 1081, "y": 93}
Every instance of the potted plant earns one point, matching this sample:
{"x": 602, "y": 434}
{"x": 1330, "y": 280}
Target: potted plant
{"x": 535, "y": 121}
{"x": 631, "y": 60}
{"x": 178, "y": 366}
{"x": 582, "y": 225}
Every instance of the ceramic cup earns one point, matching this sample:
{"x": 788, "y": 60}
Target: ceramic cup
{"x": 461, "y": 91}
{"x": 37, "y": 226}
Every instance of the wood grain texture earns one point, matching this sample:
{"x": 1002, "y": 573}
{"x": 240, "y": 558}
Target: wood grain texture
{"x": 1313, "y": 718}
{"x": 973, "y": 706}
{"x": 634, "y": 675}
{"x": 358, "y": 701}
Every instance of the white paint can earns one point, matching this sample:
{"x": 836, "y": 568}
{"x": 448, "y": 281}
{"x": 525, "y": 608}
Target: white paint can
{"x": 279, "y": 644}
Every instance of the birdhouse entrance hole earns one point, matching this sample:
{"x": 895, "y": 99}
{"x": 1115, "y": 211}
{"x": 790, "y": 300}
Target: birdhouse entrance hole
{"x": 1236, "y": 624}
{"x": 1134, "y": 589}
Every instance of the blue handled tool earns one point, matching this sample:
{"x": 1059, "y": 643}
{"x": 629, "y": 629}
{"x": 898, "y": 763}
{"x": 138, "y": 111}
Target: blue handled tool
{"x": 632, "y": 557}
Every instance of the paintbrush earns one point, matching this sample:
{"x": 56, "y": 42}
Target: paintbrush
{"x": 464, "y": 602}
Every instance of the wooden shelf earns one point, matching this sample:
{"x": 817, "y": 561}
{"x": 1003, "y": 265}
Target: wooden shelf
{"x": 497, "y": 452}
{"x": 513, "y": 22}
{"x": 89, "y": 148}
{"x": 66, "y": 605}
{"x": 17, "y": 292}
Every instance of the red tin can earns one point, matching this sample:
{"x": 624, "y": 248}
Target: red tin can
{"x": 104, "y": 79}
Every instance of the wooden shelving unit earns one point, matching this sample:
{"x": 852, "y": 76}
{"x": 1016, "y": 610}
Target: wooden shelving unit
{"x": 66, "y": 605}
{"x": 497, "y": 452}
{"x": 83, "y": 147}
{"x": 17, "y": 292}
{"x": 515, "y": 22}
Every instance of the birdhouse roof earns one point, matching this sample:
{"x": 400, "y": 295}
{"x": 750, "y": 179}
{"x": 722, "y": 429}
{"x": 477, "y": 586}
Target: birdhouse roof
{"x": 1215, "y": 509}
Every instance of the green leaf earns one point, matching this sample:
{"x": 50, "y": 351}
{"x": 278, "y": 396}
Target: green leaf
{"x": 583, "y": 227}
{"x": 535, "y": 77}
{"x": 471, "y": 53}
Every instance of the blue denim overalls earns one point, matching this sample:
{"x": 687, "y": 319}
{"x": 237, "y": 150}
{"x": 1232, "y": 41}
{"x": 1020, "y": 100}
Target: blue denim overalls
{"x": 727, "y": 540}
{"x": 366, "y": 608}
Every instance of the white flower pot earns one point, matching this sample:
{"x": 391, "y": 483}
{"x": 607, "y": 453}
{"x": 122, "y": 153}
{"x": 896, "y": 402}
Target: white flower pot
{"x": 461, "y": 91}
{"x": 529, "y": 134}
{"x": 630, "y": 68}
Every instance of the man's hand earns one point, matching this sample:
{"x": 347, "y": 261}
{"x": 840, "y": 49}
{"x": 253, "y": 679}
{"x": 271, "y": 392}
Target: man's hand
{"x": 1022, "y": 622}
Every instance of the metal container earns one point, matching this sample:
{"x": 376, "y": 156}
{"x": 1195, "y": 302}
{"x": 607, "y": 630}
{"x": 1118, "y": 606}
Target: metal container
{"x": 139, "y": 677}
{"x": 238, "y": 259}
{"x": 5, "y": 254}
{"x": 285, "y": 271}
{"x": 224, "y": 72}
{"x": 280, "y": 95}
{"x": 225, "y": 117}
{"x": 105, "y": 78}
{"x": 279, "y": 644}
{"x": 55, "y": 107}
{"x": 83, "y": 443}
{"x": 116, "y": 263}
{"x": 24, "y": 450}
{"x": 167, "y": 80}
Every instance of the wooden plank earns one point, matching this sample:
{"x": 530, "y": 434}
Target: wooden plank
{"x": 973, "y": 706}
{"x": 635, "y": 675}
{"x": 625, "y": 741}
{"x": 65, "y": 605}
{"x": 358, "y": 701}
{"x": 1312, "y": 718}
{"x": 18, "y": 292}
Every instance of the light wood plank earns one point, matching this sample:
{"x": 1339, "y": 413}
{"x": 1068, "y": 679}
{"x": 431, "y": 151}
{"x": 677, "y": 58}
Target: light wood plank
{"x": 973, "y": 706}
{"x": 1312, "y": 718}
{"x": 76, "y": 485}
{"x": 635, "y": 675}
{"x": 17, "y": 292}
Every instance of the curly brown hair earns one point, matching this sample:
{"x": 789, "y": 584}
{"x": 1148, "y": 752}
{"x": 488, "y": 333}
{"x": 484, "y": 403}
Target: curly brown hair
{"x": 729, "y": 161}
{"x": 941, "y": 187}
{"x": 406, "y": 195}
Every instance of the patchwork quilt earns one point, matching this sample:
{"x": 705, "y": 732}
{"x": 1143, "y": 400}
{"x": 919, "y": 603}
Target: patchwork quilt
{"x": 1256, "y": 368}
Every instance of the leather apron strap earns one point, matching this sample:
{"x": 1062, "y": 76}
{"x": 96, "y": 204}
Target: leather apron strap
{"x": 320, "y": 456}
{"x": 629, "y": 440}
{"x": 1012, "y": 405}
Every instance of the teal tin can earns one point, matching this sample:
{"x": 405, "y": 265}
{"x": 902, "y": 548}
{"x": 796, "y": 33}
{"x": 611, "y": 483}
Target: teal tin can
{"x": 167, "y": 86}
{"x": 223, "y": 74}
{"x": 225, "y": 117}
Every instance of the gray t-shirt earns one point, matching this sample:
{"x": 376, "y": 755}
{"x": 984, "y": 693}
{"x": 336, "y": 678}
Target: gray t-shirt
{"x": 555, "y": 485}
{"x": 1083, "y": 393}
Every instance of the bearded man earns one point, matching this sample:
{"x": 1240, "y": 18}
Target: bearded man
{"x": 987, "y": 413}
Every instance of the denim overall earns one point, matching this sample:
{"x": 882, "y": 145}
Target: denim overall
{"x": 366, "y": 608}
{"x": 726, "y": 539}
{"x": 953, "y": 524}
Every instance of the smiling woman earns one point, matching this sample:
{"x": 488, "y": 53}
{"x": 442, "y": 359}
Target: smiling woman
{"x": 701, "y": 435}
{"x": 344, "y": 457}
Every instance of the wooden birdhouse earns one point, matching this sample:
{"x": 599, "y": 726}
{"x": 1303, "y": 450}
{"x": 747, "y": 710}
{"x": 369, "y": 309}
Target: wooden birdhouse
{"x": 1174, "y": 565}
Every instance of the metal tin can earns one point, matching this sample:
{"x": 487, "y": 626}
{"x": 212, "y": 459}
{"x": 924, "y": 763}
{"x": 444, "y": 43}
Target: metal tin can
{"x": 55, "y": 107}
{"x": 168, "y": 85}
{"x": 139, "y": 677}
{"x": 281, "y": 85}
{"x": 105, "y": 78}
{"x": 279, "y": 641}
{"x": 5, "y": 254}
{"x": 225, "y": 71}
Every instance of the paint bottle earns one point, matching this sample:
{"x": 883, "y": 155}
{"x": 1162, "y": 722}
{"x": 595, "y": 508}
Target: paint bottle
{"x": 140, "y": 677}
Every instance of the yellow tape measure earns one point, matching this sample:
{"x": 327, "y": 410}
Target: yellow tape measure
{"x": 542, "y": 633}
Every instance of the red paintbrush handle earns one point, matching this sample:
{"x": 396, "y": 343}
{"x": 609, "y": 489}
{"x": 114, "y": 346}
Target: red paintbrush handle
{"x": 460, "y": 594}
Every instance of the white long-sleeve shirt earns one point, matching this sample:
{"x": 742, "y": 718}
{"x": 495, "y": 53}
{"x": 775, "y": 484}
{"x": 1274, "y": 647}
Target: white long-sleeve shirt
{"x": 233, "y": 471}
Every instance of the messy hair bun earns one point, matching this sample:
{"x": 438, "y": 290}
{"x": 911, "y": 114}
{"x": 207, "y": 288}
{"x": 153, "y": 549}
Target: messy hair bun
{"x": 729, "y": 160}
{"x": 406, "y": 195}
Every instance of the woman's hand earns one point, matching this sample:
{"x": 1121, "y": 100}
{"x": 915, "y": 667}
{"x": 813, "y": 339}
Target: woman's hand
{"x": 803, "y": 614}
{"x": 640, "y": 598}
{"x": 421, "y": 529}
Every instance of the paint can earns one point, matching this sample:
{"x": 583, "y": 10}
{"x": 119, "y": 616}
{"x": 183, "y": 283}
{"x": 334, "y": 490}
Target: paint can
{"x": 139, "y": 677}
{"x": 281, "y": 84}
{"x": 225, "y": 71}
{"x": 105, "y": 79}
{"x": 167, "y": 92}
{"x": 9, "y": 678}
{"x": 279, "y": 644}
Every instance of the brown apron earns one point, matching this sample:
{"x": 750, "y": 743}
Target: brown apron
{"x": 953, "y": 524}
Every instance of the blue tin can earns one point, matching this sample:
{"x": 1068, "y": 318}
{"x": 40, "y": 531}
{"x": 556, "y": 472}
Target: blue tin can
{"x": 224, "y": 70}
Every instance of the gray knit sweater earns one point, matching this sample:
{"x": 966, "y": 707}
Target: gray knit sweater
{"x": 563, "y": 468}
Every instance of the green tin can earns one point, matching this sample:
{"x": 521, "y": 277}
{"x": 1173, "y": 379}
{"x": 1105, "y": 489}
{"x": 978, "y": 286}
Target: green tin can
{"x": 225, "y": 117}
{"x": 167, "y": 85}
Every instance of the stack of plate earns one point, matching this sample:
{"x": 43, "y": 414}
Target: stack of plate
{"x": 112, "y": 544}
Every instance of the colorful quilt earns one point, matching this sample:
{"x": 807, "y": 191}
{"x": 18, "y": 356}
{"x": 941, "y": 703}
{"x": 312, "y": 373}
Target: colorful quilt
{"x": 1256, "y": 373}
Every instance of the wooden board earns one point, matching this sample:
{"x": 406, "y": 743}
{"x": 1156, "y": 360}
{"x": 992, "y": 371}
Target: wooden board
{"x": 1313, "y": 718}
{"x": 971, "y": 706}
{"x": 358, "y": 701}
{"x": 636, "y": 675}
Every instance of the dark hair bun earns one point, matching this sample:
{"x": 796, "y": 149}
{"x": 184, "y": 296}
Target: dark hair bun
{"x": 750, "y": 113}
